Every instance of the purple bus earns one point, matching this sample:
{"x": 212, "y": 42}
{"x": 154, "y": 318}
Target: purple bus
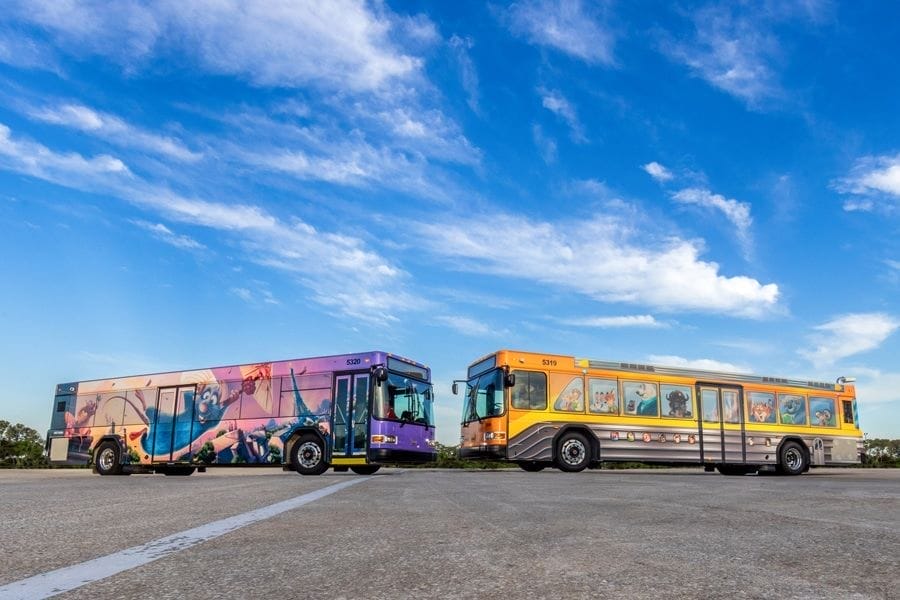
{"x": 352, "y": 411}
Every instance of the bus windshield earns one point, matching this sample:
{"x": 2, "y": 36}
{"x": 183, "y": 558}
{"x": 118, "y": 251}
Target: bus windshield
{"x": 405, "y": 399}
{"x": 484, "y": 396}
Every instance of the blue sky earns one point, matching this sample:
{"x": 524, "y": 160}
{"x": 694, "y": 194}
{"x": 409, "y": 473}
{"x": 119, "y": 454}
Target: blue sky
{"x": 185, "y": 185}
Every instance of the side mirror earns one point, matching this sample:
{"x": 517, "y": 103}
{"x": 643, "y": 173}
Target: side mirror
{"x": 510, "y": 380}
{"x": 455, "y": 388}
{"x": 380, "y": 374}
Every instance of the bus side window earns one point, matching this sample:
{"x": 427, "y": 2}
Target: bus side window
{"x": 848, "y": 411}
{"x": 530, "y": 391}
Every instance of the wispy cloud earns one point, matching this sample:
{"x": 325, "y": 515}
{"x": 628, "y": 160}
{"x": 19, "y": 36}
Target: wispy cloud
{"x": 163, "y": 233}
{"x": 731, "y": 52}
{"x": 848, "y": 335}
{"x": 737, "y": 213}
{"x": 568, "y": 26}
{"x": 556, "y": 103}
{"x": 337, "y": 44}
{"x": 340, "y": 271}
{"x": 647, "y": 321}
{"x": 545, "y": 145}
{"x": 704, "y": 364}
{"x": 873, "y": 180}
{"x": 466, "y": 325}
{"x": 467, "y": 72}
{"x": 258, "y": 295}
{"x": 658, "y": 172}
{"x": 603, "y": 258}
{"x": 115, "y": 130}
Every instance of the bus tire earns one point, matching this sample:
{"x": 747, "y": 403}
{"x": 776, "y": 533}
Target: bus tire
{"x": 365, "y": 469}
{"x": 791, "y": 459}
{"x": 573, "y": 453}
{"x": 106, "y": 458}
{"x": 308, "y": 455}
{"x": 532, "y": 466}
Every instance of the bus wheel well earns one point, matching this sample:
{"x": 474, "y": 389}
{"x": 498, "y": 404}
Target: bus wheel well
{"x": 798, "y": 440}
{"x": 296, "y": 435}
{"x": 784, "y": 465}
{"x": 589, "y": 436}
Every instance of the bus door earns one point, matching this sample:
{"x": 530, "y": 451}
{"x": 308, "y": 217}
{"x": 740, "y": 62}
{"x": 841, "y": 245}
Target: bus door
{"x": 172, "y": 427}
{"x": 351, "y": 415}
{"x": 721, "y": 424}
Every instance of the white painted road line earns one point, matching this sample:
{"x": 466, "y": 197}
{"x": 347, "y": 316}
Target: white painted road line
{"x": 62, "y": 580}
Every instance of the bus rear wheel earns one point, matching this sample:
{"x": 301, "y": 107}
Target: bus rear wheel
{"x": 308, "y": 456}
{"x": 365, "y": 469}
{"x": 532, "y": 466}
{"x": 106, "y": 459}
{"x": 791, "y": 459}
{"x": 573, "y": 453}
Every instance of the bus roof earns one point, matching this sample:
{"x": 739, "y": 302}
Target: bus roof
{"x": 699, "y": 374}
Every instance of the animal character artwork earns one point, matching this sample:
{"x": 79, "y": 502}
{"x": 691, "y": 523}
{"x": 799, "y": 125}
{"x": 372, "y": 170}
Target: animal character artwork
{"x": 678, "y": 404}
{"x": 792, "y": 409}
{"x": 604, "y": 402}
{"x": 761, "y": 409}
{"x": 643, "y": 400}
{"x": 571, "y": 399}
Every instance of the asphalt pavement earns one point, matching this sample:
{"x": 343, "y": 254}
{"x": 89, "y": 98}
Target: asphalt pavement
{"x": 245, "y": 533}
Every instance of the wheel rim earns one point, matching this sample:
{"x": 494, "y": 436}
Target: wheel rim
{"x": 107, "y": 459}
{"x": 309, "y": 455}
{"x": 793, "y": 460}
{"x": 573, "y": 452}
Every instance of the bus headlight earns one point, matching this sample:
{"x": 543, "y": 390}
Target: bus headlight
{"x": 432, "y": 443}
{"x": 494, "y": 435}
{"x": 384, "y": 439}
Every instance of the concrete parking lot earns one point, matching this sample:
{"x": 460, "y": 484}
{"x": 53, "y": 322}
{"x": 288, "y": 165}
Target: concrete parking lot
{"x": 678, "y": 533}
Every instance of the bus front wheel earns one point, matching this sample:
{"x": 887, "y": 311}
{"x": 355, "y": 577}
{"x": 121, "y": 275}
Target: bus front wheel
{"x": 106, "y": 460}
{"x": 792, "y": 459}
{"x": 308, "y": 456}
{"x": 365, "y": 469}
{"x": 573, "y": 453}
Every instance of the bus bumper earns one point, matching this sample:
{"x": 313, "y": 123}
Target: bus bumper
{"x": 491, "y": 452}
{"x": 389, "y": 455}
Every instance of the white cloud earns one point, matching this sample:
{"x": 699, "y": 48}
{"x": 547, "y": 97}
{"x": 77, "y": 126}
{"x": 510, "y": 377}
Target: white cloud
{"x": 166, "y": 235}
{"x": 114, "y": 129}
{"x": 566, "y": 25}
{"x": 657, "y": 171}
{"x": 616, "y": 322}
{"x": 337, "y": 44}
{"x": 703, "y": 364}
{"x": 738, "y": 213}
{"x": 467, "y": 71}
{"x": 848, "y": 335}
{"x": 466, "y": 325}
{"x": 731, "y": 53}
{"x": 556, "y": 103}
{"x": 340, "y": 271}
{"x": 872, "y": 178}
{"x": 603, "y": 258}
{"x": 32, "y": 158}
{"x": 545, "y": 145}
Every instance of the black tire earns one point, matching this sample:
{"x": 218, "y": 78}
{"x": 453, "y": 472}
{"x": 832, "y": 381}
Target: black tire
{"x": 308, "y": 455}
{"x": 532, "y": 466}
{"x": 107, "y": 458}
{"x": 365, "y": 469}
{"x": 573, "y": 453}
{"x": 792, "y": 459}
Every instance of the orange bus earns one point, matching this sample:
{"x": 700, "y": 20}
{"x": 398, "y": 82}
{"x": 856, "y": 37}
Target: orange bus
{"x": 543, "y": 410}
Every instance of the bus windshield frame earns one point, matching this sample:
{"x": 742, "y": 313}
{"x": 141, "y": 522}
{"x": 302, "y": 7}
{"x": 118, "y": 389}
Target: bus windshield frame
{"x": 482, "y": 401}
{"x": 405, "y": 399}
